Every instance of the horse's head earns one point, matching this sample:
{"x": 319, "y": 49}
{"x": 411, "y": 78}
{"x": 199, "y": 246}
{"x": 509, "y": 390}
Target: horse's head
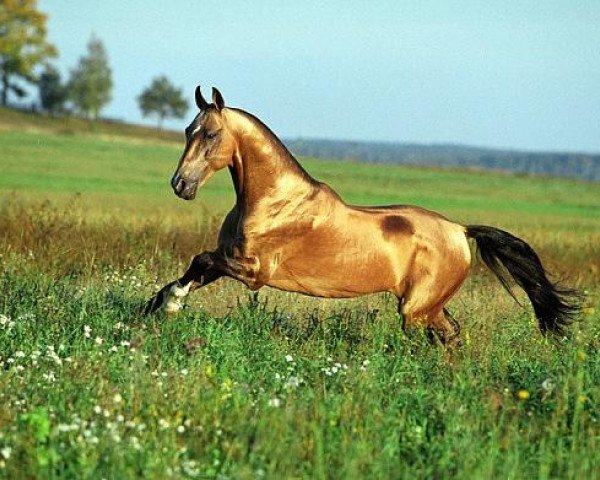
{"x": 209, "y": 147}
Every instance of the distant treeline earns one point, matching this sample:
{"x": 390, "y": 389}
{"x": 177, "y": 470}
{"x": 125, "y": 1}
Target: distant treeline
{"x": 576, "y": 165}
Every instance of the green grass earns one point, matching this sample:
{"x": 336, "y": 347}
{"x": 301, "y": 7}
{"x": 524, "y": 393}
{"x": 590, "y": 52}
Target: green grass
{"x": 45, "y": 164}
{"x": 279, "y": 385}
{"x": 267, "y": 394}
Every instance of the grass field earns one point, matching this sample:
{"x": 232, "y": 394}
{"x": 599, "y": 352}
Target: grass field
{"x": 275, "y": 385}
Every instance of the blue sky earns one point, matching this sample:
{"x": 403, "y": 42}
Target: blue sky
{"x": 519, "y": 74}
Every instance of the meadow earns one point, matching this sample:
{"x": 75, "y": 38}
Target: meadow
{"x": 272, "y": 385}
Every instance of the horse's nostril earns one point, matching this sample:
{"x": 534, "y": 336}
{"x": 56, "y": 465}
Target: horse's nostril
{"x": 178, "y": 184}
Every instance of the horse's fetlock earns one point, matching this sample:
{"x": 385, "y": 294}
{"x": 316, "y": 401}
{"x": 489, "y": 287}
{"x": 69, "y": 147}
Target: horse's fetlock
{"x": 179, "y": 292}
{"x": 173, "y": 301}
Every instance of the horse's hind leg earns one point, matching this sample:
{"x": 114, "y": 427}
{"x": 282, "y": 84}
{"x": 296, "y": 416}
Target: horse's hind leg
{"x": 447, "y": 330}
{"x": 423, "y": 306}
{"x": 455, "y": 334}
{"x": 411, "y": 321}
{"x": 201, "y": 271}
{"x": 438, "y": 323}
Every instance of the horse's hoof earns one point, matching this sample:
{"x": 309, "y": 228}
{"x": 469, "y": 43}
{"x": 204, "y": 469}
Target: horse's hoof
{"x": 173, "y": 302}
{"x": 172, "y": 306}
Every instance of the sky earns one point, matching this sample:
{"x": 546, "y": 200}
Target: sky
{"x": 511, "y": 74}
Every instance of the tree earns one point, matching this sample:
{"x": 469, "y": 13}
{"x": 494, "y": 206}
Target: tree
{"x": 90, "y": 84}
{"x": 162, "y": 99}
{"x": 23, "y": 44}
{"x": 52, "y": 92}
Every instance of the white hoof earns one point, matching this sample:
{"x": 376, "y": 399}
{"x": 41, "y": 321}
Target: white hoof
{"x": 173, "y": 303}
{"x": 172, "y": 306}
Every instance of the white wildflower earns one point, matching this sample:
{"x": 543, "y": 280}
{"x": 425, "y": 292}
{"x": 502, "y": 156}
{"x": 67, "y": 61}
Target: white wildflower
{"x": 163, "y": 424}
{"x": 548, "y": 385}
{"x": 292, "y": 382}
{"x": 135, "y": 443}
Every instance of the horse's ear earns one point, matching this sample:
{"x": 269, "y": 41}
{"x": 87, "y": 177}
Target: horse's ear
{"x": 217, "y": 99}
{"x": 202, "y": 104}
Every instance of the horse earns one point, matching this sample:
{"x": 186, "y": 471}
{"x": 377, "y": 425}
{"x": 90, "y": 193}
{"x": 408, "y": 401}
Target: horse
{"x": 294, "y": 233}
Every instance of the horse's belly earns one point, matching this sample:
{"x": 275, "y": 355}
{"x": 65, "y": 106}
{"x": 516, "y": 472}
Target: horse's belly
{"x": 338, "y": 275}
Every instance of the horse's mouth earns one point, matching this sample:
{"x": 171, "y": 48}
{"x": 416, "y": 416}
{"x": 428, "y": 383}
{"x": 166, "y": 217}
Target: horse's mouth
{"x": 184, "y": 189}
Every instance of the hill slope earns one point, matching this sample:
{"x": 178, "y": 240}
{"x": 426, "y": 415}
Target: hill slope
{"x": 575, "y": 165}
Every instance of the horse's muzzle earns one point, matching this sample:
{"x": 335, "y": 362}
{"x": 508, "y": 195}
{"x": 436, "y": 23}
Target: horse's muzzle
{"x": 184, "y": 188}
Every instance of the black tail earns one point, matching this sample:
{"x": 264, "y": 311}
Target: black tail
{"x": 553, "y": 307}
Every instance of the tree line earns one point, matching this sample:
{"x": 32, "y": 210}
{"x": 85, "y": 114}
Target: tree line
{"x": 25, "y": 58}
{"x": 576, "y": 165}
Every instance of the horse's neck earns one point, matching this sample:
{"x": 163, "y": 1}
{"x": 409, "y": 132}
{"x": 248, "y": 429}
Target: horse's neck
{"x": 264, "y": 172}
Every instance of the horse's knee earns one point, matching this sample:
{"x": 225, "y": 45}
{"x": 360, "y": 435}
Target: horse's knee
{"x": 199, "y": 268}
{"x": 202, "y": 261}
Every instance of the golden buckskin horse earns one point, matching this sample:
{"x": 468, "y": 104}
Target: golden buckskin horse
{"x": 291, "y": 232}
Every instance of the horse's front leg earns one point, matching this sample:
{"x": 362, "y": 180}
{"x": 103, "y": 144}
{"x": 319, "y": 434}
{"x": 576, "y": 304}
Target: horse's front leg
{"x": 202, "y": 271}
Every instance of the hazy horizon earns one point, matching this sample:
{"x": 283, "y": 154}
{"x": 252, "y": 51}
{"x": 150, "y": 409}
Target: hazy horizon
{"x": 520, "y": 75}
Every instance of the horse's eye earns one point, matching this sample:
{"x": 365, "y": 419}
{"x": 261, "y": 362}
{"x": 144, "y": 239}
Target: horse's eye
{"x": 210, "y": 135}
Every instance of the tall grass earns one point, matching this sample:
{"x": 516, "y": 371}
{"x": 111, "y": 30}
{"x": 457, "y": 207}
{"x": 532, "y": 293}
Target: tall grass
{"x": 278, "y": 387}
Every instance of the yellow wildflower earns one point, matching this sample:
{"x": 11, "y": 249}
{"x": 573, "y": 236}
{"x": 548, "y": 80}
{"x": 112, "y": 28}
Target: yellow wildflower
{"x": 209, "y": 371}
{"x": 522, "y": 394}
